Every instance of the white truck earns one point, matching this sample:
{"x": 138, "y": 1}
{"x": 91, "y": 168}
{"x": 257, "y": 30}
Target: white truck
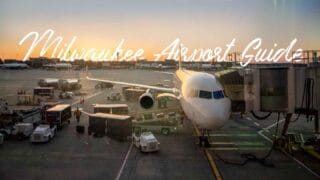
{"x": 146, "y": 142}
{"x": 43, "y": 133}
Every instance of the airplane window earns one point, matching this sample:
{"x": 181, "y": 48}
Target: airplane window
{"x": 218, "y": 94}
{"x": 205, "y": 94}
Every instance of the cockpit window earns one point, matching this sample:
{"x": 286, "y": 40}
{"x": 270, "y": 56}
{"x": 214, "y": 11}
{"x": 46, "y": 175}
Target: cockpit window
{"x": 218, "y": 94}
{"x": 205, "y": 94}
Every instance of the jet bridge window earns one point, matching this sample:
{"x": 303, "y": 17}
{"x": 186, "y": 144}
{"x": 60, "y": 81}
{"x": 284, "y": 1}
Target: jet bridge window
{"x": 218, "y": 94}
{"x": 205, "y": 94}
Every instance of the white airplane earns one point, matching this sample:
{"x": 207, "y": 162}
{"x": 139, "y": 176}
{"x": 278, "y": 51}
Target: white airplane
{"x": 14, "y": 66}
{"x": 201, "y": 96}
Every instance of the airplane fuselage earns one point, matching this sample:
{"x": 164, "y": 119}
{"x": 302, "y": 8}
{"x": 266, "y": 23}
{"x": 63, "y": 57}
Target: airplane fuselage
{"x": 202, "y": 98}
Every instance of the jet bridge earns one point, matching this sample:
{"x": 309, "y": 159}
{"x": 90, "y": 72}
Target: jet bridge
{"x": 283, "y": 88}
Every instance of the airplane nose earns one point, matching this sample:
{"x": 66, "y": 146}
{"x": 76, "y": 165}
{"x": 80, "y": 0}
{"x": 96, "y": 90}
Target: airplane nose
{"x": 217, "y": 116}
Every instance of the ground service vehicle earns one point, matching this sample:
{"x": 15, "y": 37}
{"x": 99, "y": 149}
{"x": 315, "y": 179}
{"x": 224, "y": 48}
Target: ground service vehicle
{"x": 43, "y": 133}
{"x": 158, "y": 123}
{"x": 121, "y": 109}
{"x": 43, "y": 91}
{"x": 146, "y": 142}
{"x": 59, "y": 115}
{"x": 22, "y": 130}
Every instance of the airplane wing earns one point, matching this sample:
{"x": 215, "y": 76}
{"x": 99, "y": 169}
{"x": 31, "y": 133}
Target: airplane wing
{"x": 164, "y": 72}
{"x": 170, "y": 90}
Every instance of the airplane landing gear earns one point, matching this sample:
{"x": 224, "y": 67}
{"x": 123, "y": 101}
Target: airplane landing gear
{"x": 204, "y": 140}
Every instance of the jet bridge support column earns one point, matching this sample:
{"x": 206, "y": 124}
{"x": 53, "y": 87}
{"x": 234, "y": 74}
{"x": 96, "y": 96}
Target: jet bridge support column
{"x": 286, "y": 124}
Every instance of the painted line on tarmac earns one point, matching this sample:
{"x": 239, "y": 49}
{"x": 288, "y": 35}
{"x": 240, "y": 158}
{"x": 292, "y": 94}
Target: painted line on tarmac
{"x": 124, "y": 162}
{"x": 248, "y": 118}
{"x": 264, "y": 136}
{"x": 251, "y": 120}
{"x": 267, "y": 130}
{"x": 257, "y": 124}
{"x": 269, "y": 127}
{"x": 87, "y": 97}
{"x": 302, "y": 164}
{"x": 213, "y": 165}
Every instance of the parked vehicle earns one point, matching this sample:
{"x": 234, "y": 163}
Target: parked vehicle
{"x": 66, "y": 95}
{"x": 43, "y": 133}
{"x": 45, "y": 106}
{"x": 22, "y": 130}
{"x": 97, "y": 124}
{"x": 116, "y": 126}
{"x": 114, "y": 96}
{"x": 59, "y": 115}
{"x": 49, "y": 82}
{"x": 146, "y": 142}
{"x": 103, "y": 85}
{"x": 121, "y": 109}
{"x": 158, "y": 123}
{"x": 30, "y": 115}
{"x": 43, "y": 91}
{"x": 6, "y": 132}
{"x": 132, "y": 94}
{"x": 69, "y": 84}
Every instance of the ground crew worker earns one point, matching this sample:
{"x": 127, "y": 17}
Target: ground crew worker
{"x": 81, "y": 100}
{"x": 77, "y": 113}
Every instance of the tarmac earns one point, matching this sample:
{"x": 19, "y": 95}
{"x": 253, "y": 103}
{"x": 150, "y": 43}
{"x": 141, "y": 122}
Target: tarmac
{"x": 74, "y": 156}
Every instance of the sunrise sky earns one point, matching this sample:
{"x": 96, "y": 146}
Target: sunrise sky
{"x": 153, "y": 24}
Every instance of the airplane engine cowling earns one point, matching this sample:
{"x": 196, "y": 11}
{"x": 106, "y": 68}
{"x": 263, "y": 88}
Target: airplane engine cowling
{"x": 146, "y": 101}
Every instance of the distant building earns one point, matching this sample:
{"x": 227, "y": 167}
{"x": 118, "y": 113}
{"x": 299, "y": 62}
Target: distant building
{"x": 39, "y": 62}
{"x": 7, "y": 61}
{"x": 169, "y": 62}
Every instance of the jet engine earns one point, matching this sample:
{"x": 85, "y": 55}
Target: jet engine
{"x": 146, "y": 100}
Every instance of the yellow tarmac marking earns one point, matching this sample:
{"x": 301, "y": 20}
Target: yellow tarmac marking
{"x": 196, "y": 129}
{"x": 213, "y": 165}
{"x": 210, "y": 158}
